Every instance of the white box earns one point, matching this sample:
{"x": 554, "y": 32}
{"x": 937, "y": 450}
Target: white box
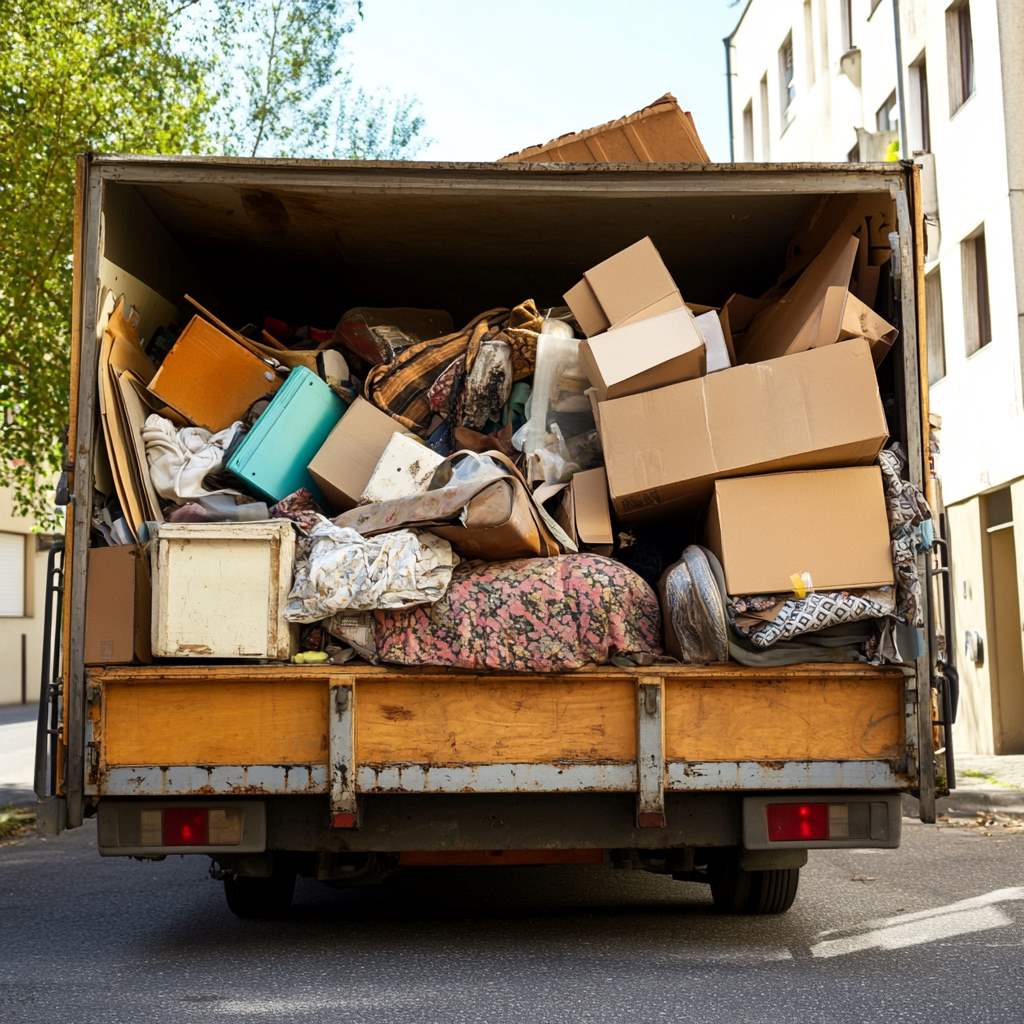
{"x": 220, "y": 590}
{"x": 710, "y": 327}
{"x": 403, "y": 470}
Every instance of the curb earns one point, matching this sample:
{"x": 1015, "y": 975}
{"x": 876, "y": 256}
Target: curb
{"x": 966, "y": 803}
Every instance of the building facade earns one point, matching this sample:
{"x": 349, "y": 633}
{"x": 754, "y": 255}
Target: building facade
{"x": 23, "y": 557}
{"x": 942, "y": 80}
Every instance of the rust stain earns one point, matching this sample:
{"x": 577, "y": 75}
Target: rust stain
{"x": 396, "y": 713}
{"x": 194, "y": 649}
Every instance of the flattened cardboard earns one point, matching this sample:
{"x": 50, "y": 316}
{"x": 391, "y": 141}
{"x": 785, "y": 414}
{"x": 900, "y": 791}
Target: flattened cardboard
{"x": 117, "y": 606}
{"x": 650, "y": 353}
{"x": 829, "y": 524}
{"x": 210, "y": 378}
{"x": 664, "y": 449}
{"x": 344, "y": 464}
{"x": 660, "y": 132}
{"x": 629, "y": 286}
{"x": 794, "y": 322}
{"x": 859, "y": 320}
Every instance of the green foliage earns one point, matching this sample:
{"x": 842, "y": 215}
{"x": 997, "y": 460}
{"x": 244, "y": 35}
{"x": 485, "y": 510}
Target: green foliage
{"x": 242, "y": 77}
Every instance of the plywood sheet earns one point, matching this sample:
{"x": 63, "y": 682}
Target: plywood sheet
{"x": 773, "y": 720}
{"x": 460, "y": 721}
{"x": 236, "y": 722}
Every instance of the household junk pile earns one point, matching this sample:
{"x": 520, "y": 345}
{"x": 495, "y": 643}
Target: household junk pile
{"x": 606, "y": 472}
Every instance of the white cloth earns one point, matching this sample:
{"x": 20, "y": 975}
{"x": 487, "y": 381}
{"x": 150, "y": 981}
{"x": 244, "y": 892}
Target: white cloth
{"x": 180, "y": 460}
{"x": 338, "y": 570}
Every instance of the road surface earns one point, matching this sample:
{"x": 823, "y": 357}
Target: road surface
{"x": 931, "y": 932}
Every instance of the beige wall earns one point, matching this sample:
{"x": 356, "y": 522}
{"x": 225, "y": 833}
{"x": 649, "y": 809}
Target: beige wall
{"x": 31, "y": 626}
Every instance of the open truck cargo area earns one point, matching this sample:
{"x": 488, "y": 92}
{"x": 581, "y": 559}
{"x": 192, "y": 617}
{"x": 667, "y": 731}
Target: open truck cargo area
{"x": 726, "y": 773}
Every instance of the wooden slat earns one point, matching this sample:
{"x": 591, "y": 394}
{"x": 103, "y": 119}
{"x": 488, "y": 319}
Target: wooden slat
{"x": 236, "y": 722}
{"x": 775, "y": 720}
{"x": 457, "y": 721}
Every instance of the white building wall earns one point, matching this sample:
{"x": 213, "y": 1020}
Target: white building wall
{"x": 980, "y": 397}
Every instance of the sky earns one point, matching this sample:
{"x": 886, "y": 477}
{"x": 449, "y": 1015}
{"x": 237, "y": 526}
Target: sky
{"x": 493, "y": 76}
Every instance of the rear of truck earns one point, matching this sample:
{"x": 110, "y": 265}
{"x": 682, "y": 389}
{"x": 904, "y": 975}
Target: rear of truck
{"x": 725, "y": 774}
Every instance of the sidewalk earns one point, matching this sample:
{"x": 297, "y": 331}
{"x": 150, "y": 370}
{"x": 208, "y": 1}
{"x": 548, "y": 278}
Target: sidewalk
{"x": 984, "y": 782}
{"x": 17, "y": 753}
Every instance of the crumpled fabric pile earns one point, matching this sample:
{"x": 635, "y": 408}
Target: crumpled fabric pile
{"x": 180, "y": 459}
{"x": 339, "y": 570}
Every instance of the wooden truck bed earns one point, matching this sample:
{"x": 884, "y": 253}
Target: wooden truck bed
{"x": 174, "y": 730}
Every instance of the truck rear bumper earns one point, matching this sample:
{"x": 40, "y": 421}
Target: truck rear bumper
{"x": 537, "y": 822}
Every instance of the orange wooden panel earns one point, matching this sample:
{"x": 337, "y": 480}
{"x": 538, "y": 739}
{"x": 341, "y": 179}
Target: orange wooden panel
{"x": 772, "y": 719}
{"x": 474, "y": 721}
{"x": 230, "y": 722}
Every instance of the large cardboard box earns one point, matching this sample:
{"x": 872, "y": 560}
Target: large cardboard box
{"x": 664, "y": 449}
{"x": 583, "y": 511}
{"x": 117, "y": 606}
{"x": 648, "y": 354}
{"x": 822, "y": 529}
{"x": 344, "y": 464}
{"x": 629, "y": 286}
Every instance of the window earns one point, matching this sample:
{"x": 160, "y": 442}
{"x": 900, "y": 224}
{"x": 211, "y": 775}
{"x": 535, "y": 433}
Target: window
{"x": 748, "y": 131}
{"x": 922, "y": 112}
{"x": 959, "y": 54}
{"x": 977, "y": 313}
{"x": 823, "y": 34}
{"x": 846, "y": 23}
{"x": 766, "y": 148}
{"x": 887, "y": 117}
{"x": 12, "y": 575}
{"x": 809, "y": 42}
{"x": 787, "y": 87}
{"x": 933, "y": 326}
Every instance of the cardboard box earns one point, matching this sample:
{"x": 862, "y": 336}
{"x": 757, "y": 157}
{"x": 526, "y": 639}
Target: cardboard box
{"x": 344, "y": 464}
{"x": 825, "y": 529}
{"x": 117, "y": 606}
{"x": 664, "y": 449}
{"x": 859, "y": 320}
{"x": 797, "y": 321}
{"x": 648, "y": 354}
{"x": 210, "y": 379}
{"x": 584, "y": 513}
{"x": 717, "y": 345}
{"x": 629, "y": 286}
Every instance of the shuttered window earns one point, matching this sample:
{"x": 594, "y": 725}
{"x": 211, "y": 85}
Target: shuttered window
{"x": 12, "y": 575}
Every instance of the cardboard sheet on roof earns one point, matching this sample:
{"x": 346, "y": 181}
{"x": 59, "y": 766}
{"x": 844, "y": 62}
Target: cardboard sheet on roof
{"x": 627, "y": 287}
{"x": 822, "y": 529}
{"x": 664, "y": 449}
{"x": 661, "y": 132}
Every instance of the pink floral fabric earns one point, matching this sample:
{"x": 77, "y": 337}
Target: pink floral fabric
{"x": 528, "y": 615}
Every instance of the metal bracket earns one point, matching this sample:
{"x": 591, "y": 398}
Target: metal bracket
{"x": 344, "y": 807}
{"x": 650, "y": 754}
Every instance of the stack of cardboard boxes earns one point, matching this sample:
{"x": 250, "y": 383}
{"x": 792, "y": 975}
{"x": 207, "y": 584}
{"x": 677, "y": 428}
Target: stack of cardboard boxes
{"x": 777, "y": 450}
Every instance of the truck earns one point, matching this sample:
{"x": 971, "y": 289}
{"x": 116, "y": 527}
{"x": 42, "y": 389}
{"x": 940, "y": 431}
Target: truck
{"x": 722, "y": 774}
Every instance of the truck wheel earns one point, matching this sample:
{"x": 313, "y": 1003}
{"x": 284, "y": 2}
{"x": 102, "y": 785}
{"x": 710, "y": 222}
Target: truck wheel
{"x": 260, "y": 897}
{"x": 736, "y": 891}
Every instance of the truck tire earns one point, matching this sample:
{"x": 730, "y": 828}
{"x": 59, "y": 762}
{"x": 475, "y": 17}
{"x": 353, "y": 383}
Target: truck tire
{"x": 260, "y": 898}
{"x": 736, "y": 891}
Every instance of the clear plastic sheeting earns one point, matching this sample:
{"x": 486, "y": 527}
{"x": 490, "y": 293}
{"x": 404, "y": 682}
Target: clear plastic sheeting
{"x": 338, "y": 570}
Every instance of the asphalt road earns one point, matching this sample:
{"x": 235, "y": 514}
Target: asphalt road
{"x": 932, "y": 932}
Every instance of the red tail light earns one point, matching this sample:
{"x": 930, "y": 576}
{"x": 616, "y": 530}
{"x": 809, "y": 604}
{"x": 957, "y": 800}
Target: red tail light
{"x": 185, "y": 826}
{"x": 793, "y": 822}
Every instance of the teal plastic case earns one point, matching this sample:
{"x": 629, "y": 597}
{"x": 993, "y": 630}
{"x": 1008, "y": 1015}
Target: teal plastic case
{"x": 272, "y": 458}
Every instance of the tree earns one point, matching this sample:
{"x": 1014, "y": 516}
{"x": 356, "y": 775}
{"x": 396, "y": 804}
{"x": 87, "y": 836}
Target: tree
{"x": 144, "y": 76}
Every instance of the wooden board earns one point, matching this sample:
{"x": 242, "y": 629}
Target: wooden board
{"x": 776, "y": 720}
{"x": 236, "y": 722}
{"x": 456, "y": 721}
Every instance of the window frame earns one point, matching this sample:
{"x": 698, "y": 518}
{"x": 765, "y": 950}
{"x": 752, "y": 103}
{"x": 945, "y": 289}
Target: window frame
{"x": 787, "y": 86}
{"x": 960, "y": 62}
{"x": 977, "y": 299}
{"x": 21, "y": 540}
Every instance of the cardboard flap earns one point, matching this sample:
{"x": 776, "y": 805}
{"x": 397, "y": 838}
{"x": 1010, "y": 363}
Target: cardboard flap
{"x": 590, "y": 505}
{"x": 586, "y": 309}
{"x": 859, "y": 320}
{"x": 794, "y": 323}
